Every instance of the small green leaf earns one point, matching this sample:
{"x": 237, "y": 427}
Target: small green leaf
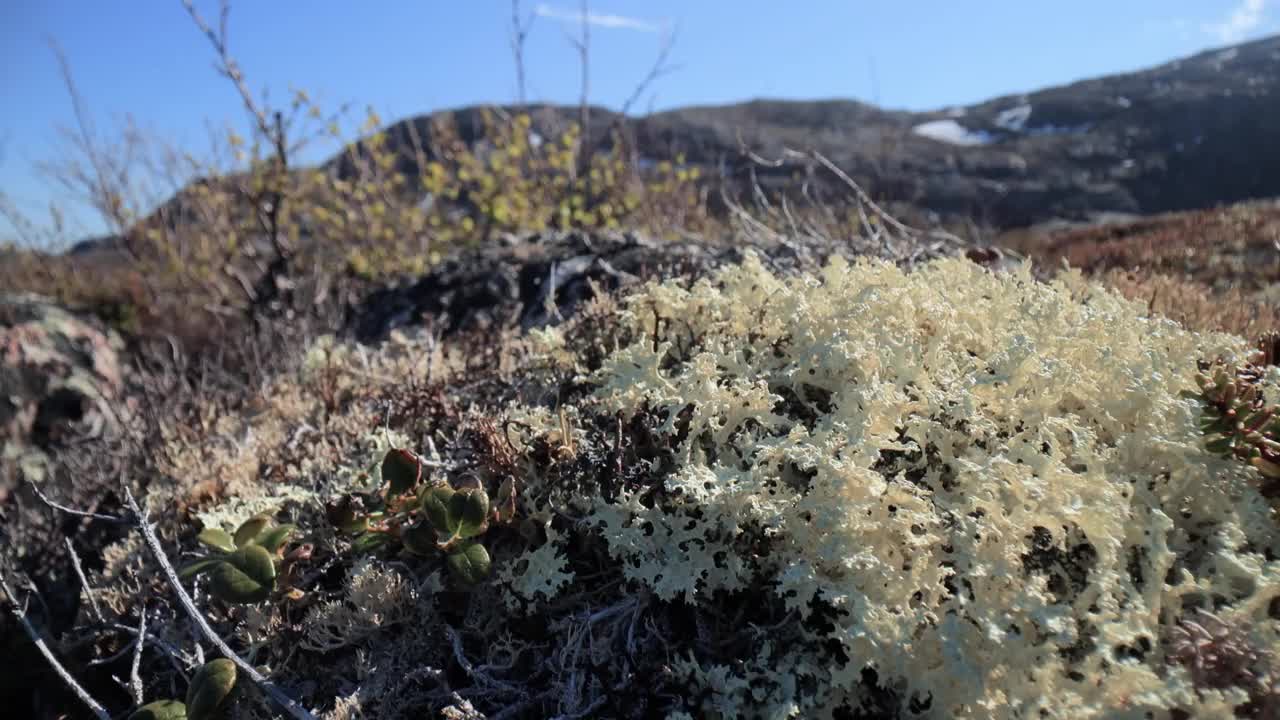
{"x": 198, "y": 567}
{"x": 1212, "y": 425}
{"x": 245, "y": 576}
{"x": 209, "y": 688}
{"x": 420, "y": 539}
{"x": 1255, "y": 418}
{"x": 435, "y": 502}
{"x": 369, "y": 542}
{"x": 347, "y": 513}
{"x": 469, "y": 563}
{"x": 250, "y": 529}
{"x": 356, "y": 525}
{"x": 272, "y": 539}
{"x": 1220, "y": 445}
{"x": 505, "y": 503}
{"x": 217, "y": 538}
{"x": 161, "y": 710}
{"x": 402, "y": 469}
{"x": 469, "y": 512}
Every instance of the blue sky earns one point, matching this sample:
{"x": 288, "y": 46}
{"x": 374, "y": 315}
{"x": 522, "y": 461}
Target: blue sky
{"x": 145, "y": 58}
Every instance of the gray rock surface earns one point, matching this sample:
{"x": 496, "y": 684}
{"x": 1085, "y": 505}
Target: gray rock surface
{"x": 61, "y": 377}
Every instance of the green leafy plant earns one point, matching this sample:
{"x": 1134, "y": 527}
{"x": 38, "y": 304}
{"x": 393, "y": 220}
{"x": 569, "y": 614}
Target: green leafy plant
{"x": 161, "y": 710}
{"x": 1236, "y": 419}
{"x": 426, "y": 518}
{"x": 210, "y": 688}
{"x": 244, "y": 565}
{"x": 208, "y": 692}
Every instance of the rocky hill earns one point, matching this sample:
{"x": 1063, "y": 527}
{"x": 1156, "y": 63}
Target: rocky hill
{"x": 1193, "y": 133}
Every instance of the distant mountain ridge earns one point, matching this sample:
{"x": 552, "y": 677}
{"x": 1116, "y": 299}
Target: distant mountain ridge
{"x": 1192, "y": 133}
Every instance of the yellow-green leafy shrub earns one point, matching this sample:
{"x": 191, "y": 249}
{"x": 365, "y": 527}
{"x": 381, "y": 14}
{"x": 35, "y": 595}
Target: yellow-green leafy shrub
{"x": 517, "y": 180}
{"x": 986, "y": 490}
{"x": 390, "y": 205}
{"x": 386, "y": 222}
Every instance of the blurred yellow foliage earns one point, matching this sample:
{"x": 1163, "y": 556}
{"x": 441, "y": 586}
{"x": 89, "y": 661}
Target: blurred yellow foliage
{"x": 390, "y": 205}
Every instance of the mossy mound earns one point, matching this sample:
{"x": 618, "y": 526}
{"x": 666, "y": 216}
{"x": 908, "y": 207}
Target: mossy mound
{"x": 985, "y": 489}
{"x": 863, "y": 493}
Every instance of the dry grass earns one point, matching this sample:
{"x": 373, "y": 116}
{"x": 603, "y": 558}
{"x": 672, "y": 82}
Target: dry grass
{"x": 1210, "y": 269}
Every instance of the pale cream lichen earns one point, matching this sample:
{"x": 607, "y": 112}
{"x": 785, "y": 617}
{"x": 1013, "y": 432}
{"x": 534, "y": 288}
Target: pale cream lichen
{"x": 235, "y": 510}
{"x": 376, "y": 599}
{"x": 992, "y": 481}
{"x": 944, "y": 493}
{"x": 538, "y": 573}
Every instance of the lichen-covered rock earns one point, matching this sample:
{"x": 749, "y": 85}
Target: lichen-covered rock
{"x": 527, "y": 281}
{"x": 59, "y": 374}
{"x": 541, "y": 279}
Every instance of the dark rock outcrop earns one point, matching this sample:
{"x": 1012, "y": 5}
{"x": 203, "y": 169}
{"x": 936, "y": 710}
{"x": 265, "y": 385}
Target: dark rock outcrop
{"x": 527, "y": 282}
{"x": 542, "y": 278}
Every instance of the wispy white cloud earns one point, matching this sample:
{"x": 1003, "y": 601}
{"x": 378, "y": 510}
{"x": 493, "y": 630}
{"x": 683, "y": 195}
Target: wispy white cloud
{"x": 1243, "y": 20}
{"x": 615, "y": 22}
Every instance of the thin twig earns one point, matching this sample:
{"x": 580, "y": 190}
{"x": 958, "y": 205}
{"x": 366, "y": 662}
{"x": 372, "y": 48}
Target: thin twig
{"x": 135, "y": 680}
{"x": 128, "y": 648}
{"x": 659, "y": 68}
{"x": 71, "y": 511}
{"x": 84, "y": 582}
{"x": 881, "y": 212}
{"x": 177, "y": 658}
{"x": 227, "y": 66}
{"x": 519, "y": 35}
{"x": 103, "y": 190}
{"x": 482, "y": 678}
{"x": 21, "y": 615}
{"x": 595, "y": 705}
{"x": 288, "y": 704}
{"x": 192, "y": 628}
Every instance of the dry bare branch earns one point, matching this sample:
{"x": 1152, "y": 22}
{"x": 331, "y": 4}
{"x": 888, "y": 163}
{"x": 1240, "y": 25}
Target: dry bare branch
{"x": 20, "y": 614}
{"x": 277, "y": 695}
{"x": 72, "y": 511}
{"x": 84, "y": 581}
{"x": 268, "y": 201}
{"x": 227, "y": 65}
{"x": 880, "y": 212}
{"x": 519, "y": 35}
{"x": 483, "y": 679}
{"x": 659, "y": 68}
{"x": 104, "y": 190}
{"x": 135, "y": 679}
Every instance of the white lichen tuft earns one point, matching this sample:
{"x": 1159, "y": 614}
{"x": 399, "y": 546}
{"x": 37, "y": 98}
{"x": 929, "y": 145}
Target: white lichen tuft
{"x": 377, "y": 598}
{"x": 992, "y": 483}
{"x": 346, "y": 708}
{"x": 235, "y": 510}
{"x": 536, "y": 574}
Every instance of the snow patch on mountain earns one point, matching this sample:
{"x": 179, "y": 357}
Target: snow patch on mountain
{"x": 1015, "y": 118}
{"x": 952, "y": 132}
